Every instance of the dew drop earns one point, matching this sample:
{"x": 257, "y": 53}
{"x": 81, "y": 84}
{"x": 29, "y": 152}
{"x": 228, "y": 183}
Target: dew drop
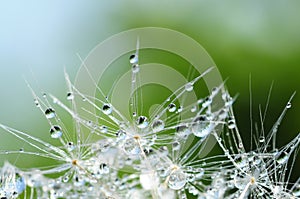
{"x": 201, "y": 126}
{"x": 172, "y": 107}
{"x": 70, "y": 96}
{"x": 70, "y": 146}
{"x": 175, "y": 146}
{"x": 282, "y": 158}
{"x": 50, "y": 113}
{"x": 135, "y": 68}
{"x": 107, "y": 109}
{"x": 55, "y": 132}
{"x": 131, "y": 147}
{"x": 189, "y": 87}
{"x": 104, "y": 169}
{"x": 157, "y": 126}
{"x": 261, "y": 139}
{"x": 103, "y": 129}
{"x": 231, "y": 124}
{"x": 207, "y": 102}
{"x": 194, "y": 109}
{"x": 142, "y": 122}
{"x": 36, "y": 102}
{"x": 121, "y": 135}
{"x": 177, "y": 179}
{"x": 183, "y": 131}
{"x": 288, "y": 105}
{"x": 133, "y": 59}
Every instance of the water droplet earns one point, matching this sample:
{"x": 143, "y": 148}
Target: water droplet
{"x": 261, "y": 139}
{"x": 177, "y": 179}
{"x": 231, "y": 124}
{"x": 121, "y": 135}
{"x": 107, "y": 109}
{"x": 70, "y": 96}
{"x": 176, "y": 146}
{"x": 157, "y": 126}
{"x": 201, "y": 126}
{"x": 288, "y": 105}
{"x": 180, "y": 108}
{"x": 55, "y": 132}
{"x": 194, "y": 109}
{"x": 282, "y": 158}
{"x": 207, "y": 102}
{"x": 142, "y": 122}
{"x": 103, "y": 129}
{"x": 183, "y": 131}
{"x": 214, "y": 91}
{"x": 21, "y": 150}
{"x": 189, "y": 87}
{"x": 135, "y": 68}
{"x": 104, "y": 169}
{"x": 50, "y": 113}
{"x": 70, "y": 146}
{"x": 131, "y": 147}
{"x": 36, "y": 102}
{"x": 172, "y": 107}
{"x": 133, "y": 59}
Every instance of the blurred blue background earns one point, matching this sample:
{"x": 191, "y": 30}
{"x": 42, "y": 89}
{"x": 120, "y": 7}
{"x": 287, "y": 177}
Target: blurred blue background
{"x": 39, "y": 39}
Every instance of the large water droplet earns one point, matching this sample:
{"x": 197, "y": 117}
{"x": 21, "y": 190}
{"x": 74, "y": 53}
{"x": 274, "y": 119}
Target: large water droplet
{"x": 50, "y": 113}
{"x": 55, "y": 132}
{"x": 142, "y": 122}
{"x": 107, "y": 109}
{"x": 177, "y": 179}
{"x": 131, "y": 147}
{"x": 172, "y": 107}
{"x": 133, "y": 59}
{"x": 158, "y": 125}
{"x": 201, "y": 126}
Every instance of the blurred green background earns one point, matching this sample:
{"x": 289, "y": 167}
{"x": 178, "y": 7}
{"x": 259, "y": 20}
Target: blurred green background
{"x": 262, "y": 38}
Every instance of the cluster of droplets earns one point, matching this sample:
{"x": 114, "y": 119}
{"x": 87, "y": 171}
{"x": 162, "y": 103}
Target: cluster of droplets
{"x": 150, "y": 156}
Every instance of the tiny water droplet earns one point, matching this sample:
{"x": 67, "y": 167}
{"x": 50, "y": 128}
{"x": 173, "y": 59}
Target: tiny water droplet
{"x": 50, "y": 113}
{"x": 55, "y": 132}
{"x": 135, "y": 68}
{"x": 231, "y": 124}
{"x": 175, "y": 146}
{"x": 36, "y": 102}
{"x": 288, "y": 105}
{"x": 172, "y": 107}
{"x": 158, "y": 125}
{"x": 189, "y": 87}
{"x": 107, "y": 109}
{"x": 103, "y": 129}
{"x": 70, "y": 96}
{"x": 133, "y": 59}
{"x": 70, "y": 146}
{"x": 104, "y": 169}
{"x": 142, "y": 122}
{"x": 261, "y": 139}
{"x": 194, "y": 109}
{"x": 207, "y": 102}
